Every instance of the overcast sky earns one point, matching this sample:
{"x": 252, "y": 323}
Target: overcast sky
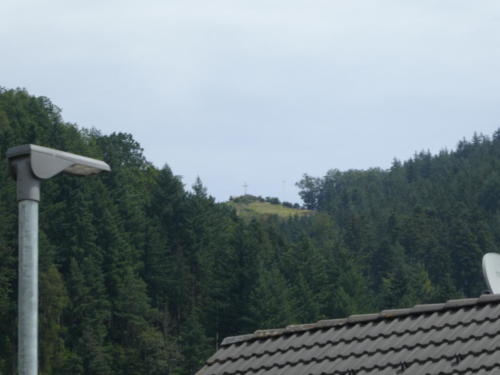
{"x": 262, "y": 91}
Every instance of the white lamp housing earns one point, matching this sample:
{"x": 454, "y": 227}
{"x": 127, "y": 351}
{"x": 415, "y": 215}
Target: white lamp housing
{"x": 31, "y": 163}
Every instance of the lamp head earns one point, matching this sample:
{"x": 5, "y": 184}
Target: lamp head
{"x": 47, "y": 162}
{"x": 31, "y": 163}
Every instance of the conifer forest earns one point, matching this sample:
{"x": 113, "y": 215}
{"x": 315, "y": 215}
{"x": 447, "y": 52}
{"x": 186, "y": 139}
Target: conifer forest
{"x": 140, "y": 274}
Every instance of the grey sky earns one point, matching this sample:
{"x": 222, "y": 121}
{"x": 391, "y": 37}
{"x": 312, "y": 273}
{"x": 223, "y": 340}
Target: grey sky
{"x": 262, "y": 91}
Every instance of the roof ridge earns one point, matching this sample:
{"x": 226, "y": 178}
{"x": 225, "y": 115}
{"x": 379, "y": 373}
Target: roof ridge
{"x": 357, "y": 339}
{"x": 451, "y": 304}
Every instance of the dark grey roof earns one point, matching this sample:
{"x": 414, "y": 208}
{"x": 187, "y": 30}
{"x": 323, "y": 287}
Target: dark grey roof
{"x": 456, "y": 337}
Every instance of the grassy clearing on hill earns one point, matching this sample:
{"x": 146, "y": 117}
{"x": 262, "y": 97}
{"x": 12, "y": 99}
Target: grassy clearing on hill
{"x": 253, "y": 208}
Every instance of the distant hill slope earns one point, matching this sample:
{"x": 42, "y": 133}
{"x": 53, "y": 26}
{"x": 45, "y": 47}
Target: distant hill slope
{"x": 432, "y": 215}
{"x": 249, "y": 206}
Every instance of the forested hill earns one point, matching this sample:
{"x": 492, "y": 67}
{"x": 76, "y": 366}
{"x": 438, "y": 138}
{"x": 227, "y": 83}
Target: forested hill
{"x": 139, "y": 275}
{"x": 430, "y": 218}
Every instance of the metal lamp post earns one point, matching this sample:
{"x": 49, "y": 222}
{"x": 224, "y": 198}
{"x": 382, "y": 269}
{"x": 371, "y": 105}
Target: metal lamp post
{"x": 29, "y": 164}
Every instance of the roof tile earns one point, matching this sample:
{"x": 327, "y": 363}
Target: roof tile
{"x": 456, "y": 337}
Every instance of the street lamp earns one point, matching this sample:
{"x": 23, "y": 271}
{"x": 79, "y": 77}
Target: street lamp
{"x": 28, "y": 165}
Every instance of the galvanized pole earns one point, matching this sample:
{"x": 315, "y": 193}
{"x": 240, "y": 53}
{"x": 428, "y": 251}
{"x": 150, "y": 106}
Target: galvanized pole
{"x": 28, "y": 196}
{"x": 28, "y": 288}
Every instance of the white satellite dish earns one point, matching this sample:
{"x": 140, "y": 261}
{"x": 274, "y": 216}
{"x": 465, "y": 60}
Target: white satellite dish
{"x": 491, "y": 271}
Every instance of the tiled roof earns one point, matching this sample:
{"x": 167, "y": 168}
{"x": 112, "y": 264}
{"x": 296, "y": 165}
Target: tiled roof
{"x": 456, "y": 337}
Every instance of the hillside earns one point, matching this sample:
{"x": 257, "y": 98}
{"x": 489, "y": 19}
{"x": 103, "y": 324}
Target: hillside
{"x": 140, "y": 275}
{"x": 438, "y": 213}
{"x": 249, "y": 206}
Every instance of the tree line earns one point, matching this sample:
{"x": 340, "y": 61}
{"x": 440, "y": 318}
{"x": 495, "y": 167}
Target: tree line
{"x": 141, "y": 275}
